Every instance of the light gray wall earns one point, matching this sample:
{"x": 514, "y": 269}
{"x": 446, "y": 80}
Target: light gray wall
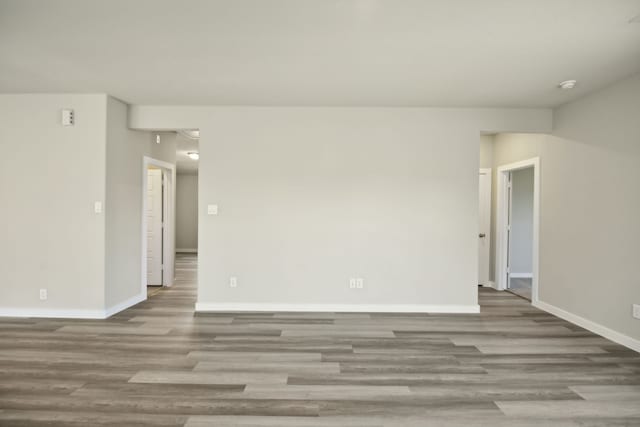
{"x": 166, "y": 150}
{"x": 186, "y": 212}
{"x": 486, "y": 151}
{"x": 521, "y": 245}
{"x": 590, "y": 205}
{"x": 50, "y": 177}
{"x": 123, "y": 207}
{"x": 309, "y": 197}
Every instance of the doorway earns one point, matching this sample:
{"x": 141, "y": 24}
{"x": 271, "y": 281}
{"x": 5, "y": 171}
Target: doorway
{"x": 158, "y": 224}
{"x": 517, "y": 222}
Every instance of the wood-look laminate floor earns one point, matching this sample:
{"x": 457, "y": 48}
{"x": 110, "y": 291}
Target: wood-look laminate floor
{"x": 521, "y": 287}
{"x": 158, "y": 364}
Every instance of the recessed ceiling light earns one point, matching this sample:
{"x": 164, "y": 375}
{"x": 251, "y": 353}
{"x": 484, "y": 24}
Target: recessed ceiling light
{"x": 194, "y": 155}
{"x": 567, "y": 84}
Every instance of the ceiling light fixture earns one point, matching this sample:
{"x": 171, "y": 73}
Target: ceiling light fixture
{"x": 567, "y": 84}
{"x": 193, "y": 155}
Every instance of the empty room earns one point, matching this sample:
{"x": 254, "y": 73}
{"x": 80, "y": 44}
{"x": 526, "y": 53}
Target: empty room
{"x": 370, "y": 213}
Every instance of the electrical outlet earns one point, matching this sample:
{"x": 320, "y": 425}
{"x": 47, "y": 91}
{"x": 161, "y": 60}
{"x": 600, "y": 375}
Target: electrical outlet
{"x": 233, "y": 282}
{"x": 636, "y": 311}
{"x": 352, "y": 283}
{"x": 43, "y": 294}
{"x": 359, "y": 283}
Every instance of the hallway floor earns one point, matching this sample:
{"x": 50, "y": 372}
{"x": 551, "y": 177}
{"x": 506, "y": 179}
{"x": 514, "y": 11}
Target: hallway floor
{"x": 521, "y": 287}
{"x": 158, "y": 364}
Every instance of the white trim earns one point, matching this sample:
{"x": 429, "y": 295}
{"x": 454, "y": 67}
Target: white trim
{"x": 334, "y": 308}
{"x": 187, "y": 251}
{"x": 125, "y": 304}
{"x": 521, "y": 275}
{"x": 501, "y": 219}
{"x": 61, "y": 313}
{"x": 56, "y": 313}
{"x": 594, "y": 327}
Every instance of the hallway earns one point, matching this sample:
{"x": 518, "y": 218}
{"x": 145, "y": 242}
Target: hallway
{"x": 158, "y": 364}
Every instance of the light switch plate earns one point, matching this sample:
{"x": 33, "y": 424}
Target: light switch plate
{"x": 233, "y": 282}
{"x": 212, "y": 209}
{"x": 43, "y": 294}
{"x": 636, "y": 311}
{"x": 97, "y": 207}
{"x": 352, "y": 283}
{"x": 359, "y": 283}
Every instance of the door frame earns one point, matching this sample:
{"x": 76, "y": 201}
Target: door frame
{"x": 168, "y": 231}
{"x": 502, "y": 213}
{"x": 487, "y": 171}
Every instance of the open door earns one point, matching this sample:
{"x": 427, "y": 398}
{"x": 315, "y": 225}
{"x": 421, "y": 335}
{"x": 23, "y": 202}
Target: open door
{"x": 155, "y": 208}
{"x": 484, "y": 226}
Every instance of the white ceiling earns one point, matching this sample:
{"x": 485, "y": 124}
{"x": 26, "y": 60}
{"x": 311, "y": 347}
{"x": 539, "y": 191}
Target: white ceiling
{"x": 184, "y": 145}
{"x": 319, "y": 52}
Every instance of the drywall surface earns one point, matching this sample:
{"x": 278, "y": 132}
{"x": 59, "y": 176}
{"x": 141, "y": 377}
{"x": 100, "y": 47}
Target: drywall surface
{"x": 51, "y": 175}
{"x": 311, "y": 197}
{"x": 187, "y": 213}
{"x": 521, "y": 244}
{"x": 123, "y": 208}
{"x": 593, "y": 199}
{"x": 486, "y": 151}
{"x": 165, "y": 150}
{"x": 590, "y": 205}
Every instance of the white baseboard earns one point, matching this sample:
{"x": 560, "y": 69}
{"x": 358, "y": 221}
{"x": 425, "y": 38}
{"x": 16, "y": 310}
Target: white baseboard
{"x": 61, "y": 313}
{"x": 125, "y": 304}
{"x": 521, "y": 275}
{"x": 337, "y": 308}
{"x": 594, "y": 327}
{"x": 186, "y": 251}
{"x": 57, "y": 313}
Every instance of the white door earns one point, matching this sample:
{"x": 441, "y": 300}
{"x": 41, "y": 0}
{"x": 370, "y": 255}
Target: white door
{"x": 509, "y": 222}
{"x": 484, "y": 226}
{"x": 154, "y": 227}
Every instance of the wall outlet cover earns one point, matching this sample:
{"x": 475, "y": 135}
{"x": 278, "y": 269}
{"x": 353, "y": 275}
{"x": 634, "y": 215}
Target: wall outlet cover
{"x": 43, "y": 294}
{"x": 636, "y": 311}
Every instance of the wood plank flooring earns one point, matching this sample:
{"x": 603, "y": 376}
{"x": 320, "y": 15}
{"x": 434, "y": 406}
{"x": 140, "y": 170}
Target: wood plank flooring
{"x": 159, "y": 364}
{"x": 521, "y": 287}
